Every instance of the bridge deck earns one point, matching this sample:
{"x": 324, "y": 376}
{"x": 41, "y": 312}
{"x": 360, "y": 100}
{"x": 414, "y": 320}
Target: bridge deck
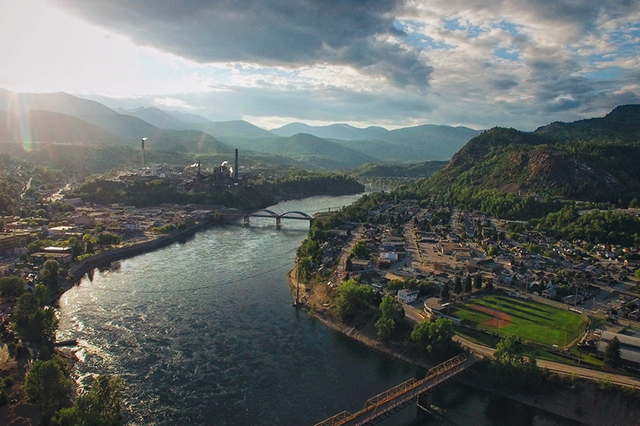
{"x": 401, "y": 396}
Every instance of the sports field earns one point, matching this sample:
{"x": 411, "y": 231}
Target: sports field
{"x": 525, "y": 318}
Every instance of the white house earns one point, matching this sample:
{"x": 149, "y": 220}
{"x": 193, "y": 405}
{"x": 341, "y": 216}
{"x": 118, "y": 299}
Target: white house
{"x": 407, "y": 296}
{"x": 390, "y": 257}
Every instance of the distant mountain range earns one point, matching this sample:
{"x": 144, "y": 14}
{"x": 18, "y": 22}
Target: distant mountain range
{"x": 60, "y": 118}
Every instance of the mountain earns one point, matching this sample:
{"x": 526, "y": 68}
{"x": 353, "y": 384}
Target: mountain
{"x": 425, "y": 142}
{"x": 382, "y": 151}
{"x": 187, "y": 117}
{"x": 432, "y": 142}
{"x": 591, "y": 160}
{"x": 21, "y": 103}
{"x": 414, "y": 170}
{"x": 133, "y": 129}
{"x": 230, "y": 129}
{"x": 154, "y": 116}
{"x": 316, "y": 152}
{"x": 50, "y": 127}
{"x": 334, "y": 131}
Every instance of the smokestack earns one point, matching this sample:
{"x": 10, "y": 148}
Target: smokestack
{"x": 143, "y": 139}
{"x": 235, "y": 169}
{"x": 198, "y": 170}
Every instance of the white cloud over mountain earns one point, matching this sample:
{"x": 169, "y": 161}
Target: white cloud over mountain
{"x": 519, "y": 63}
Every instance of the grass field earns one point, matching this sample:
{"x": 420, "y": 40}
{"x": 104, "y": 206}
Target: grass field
{"x": 529, "y": 320}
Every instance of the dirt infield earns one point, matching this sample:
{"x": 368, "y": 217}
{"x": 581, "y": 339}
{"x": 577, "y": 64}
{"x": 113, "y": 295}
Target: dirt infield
{"x": 499, "y": 320}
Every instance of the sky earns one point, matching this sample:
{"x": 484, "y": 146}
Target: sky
{"x": 393, "y": 63}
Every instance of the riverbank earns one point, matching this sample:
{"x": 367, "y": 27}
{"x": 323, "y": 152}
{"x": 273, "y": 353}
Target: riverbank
{"x": 580, "y": 400}
{"x": 105, "y": 258}
{"x": 583, "y": 400}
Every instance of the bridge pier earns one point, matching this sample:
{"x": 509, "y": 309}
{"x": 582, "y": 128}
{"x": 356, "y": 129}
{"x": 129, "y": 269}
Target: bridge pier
{"x": 424, "y": 402}
{"x": 278, "y": 222}
{"x": 245, "y": 220}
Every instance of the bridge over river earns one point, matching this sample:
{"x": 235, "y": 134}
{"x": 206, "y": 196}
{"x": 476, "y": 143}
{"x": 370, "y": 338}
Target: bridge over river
{"x": 295, "y": 215}
{"x": 395, "y": 399}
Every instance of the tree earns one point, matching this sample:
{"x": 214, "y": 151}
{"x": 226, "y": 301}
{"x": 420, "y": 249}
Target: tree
{"x": 477, "y": 281}
{"x": 391, "y": 308}
{"x": 390, "y": 313}
{"x": 348, "y": 264}
{"x": 32, "y": 322}
{"x": 385, "y": 326}
{"x": 612, "y": 353}
{"x": 108, "y": 239}
{"x": 444, "y": 292}
{"x": 47, "y": 384}
{"x": 512, "y": 367}
{"x": 352, "y": 297}
{"x": 50, "y": 273}
{"x": 1, "y": 225}
{"x": 467, "y": 284}
{"x": 359, "y": 250}
{"x": 101, "y": 406}
{"x": 637, "y": 273}
{"x": 457, "y": 285}
{"x": 488, "y": 283}
{"x": 12, "y": 287}
{"x": 435, "y": 338}
{"x": 89, "y": 243}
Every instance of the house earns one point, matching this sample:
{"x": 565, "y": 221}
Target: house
{"x": 60, "y": 231}
{"x": 84, "y": 220}
{"x": 62, "y": 257}
{"x": 359, "y": 265}
{"x": 435, "y": 310}
{"x": 389, "y": 257}
{"x": 629, "y": 346}
{"x": 9, "y": 242}
{"x": 407, "y": 295}
{"x": 550, "y": 293}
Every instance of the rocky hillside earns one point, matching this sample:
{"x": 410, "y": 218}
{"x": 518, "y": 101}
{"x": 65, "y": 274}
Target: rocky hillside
{"x": 592, "y": 160}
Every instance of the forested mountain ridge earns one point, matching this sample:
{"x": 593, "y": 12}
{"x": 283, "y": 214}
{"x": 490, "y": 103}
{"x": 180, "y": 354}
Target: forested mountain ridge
{"x": 591, "y": 160}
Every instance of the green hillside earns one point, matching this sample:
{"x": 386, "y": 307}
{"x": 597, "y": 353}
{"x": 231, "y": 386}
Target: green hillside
{"x": 590, "y": 160}
{"x": 417, "y": 170}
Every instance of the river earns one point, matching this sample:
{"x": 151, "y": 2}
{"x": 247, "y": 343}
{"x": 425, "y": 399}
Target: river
{"x": 203, "y": 333}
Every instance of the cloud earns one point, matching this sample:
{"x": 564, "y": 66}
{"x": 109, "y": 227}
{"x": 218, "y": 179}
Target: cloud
{"x": 288, "y": 33}
{"x": 520, "y": 63}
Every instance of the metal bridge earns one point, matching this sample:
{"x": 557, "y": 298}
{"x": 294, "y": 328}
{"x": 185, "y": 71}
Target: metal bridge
{"x": 295, "y": 215}
{"x": 395, "y": 399}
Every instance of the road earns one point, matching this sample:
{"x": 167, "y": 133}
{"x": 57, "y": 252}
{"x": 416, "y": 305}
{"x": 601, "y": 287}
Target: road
{"x": 559, "y": 368}
{"x": 415, "y": 315}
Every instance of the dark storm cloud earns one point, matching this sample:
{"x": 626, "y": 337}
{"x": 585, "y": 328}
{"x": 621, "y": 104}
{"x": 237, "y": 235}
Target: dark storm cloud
{"x": 268, "y": 32}
{"x": 504, "y": 84}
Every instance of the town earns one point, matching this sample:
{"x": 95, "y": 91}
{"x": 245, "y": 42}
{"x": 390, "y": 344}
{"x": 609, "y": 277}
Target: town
{"x": 492, "y": 278}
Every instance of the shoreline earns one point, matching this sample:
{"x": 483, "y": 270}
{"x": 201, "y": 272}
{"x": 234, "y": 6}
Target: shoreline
{"x": 570, "y": 406}
{"x": 105, "y": 258}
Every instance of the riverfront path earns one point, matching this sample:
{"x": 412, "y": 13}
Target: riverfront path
{"x": 560, "y": 368}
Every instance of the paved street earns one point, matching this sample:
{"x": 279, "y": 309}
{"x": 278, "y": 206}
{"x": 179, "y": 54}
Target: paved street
{"x": 557, "y": 367}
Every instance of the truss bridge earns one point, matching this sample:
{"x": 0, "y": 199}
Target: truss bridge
{"x": 399, "y": 397}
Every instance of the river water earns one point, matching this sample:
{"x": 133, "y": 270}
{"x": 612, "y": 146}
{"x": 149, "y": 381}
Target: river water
{"x": 203, "y": 333}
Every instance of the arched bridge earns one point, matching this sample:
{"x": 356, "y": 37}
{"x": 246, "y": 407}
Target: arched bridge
{"x": 287, "y": 215}
{"x": 294, "y": 214}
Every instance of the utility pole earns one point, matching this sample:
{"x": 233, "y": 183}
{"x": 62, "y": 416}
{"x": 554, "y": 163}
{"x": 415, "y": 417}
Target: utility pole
{"x": 297, "y": 283}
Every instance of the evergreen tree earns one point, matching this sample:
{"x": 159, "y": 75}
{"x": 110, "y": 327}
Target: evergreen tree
{"x": 457, "y": 286}
{"x": 612, "y": 353}
{"x": 477, "y": 281}
{"x": 444, "y": 292}
{"x": 467, "y": 284}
